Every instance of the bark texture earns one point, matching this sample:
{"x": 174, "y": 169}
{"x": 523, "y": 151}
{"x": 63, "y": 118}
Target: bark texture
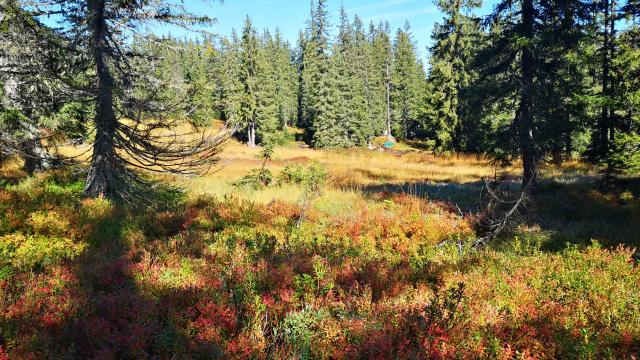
{"x": 103, "y": 171}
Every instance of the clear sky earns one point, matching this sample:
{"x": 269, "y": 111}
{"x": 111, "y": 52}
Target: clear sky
{"x": 291, "y": 15}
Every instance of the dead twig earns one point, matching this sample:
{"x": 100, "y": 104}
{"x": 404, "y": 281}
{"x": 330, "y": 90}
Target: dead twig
{"x": 497, "y": 225}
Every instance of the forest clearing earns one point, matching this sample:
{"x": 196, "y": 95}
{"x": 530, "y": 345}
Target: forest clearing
{"x": 382, "y": 265}
{"x": 320, "y": 189}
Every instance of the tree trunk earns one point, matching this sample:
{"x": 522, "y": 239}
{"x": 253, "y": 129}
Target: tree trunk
{"x": 405, "y": 115}
{"x": 568, "y": 146}
{"x": 388, "y": 99}
{"x": 529, "y": 159}
{"x": 103, "y": 178}
{"x": 457, "y": 70}
{"x": 556, "y": 153}
{"x": 604, "y": 124}
{"x": 35, "y": 157}
{"x": 611, "y": 51}
{"x": 251, "y": 134}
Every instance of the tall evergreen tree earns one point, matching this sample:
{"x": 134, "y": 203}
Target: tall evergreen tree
{"x": 35, "y": 73}
{"x": 318, "y": 78}
{"x": 380, "y": 76}
{"x": 352, "y": 62}
{"x": 344, "y": 80}
{"x": 521, "y": 32}
{"x": 286, "y": 82}
{"x": 562, "y": 79}
{"x": 455, "y": 40}
{"x": 99, "y": 32}
{"x": 606, "y": 17}
{"x": 298, "y": 62}
{"x": 166, "y": 64}
{"x": 257, "y": 84}
{"x": 197, "y": 61}
{"x": 361, "y": 127}
{"x": 227, "y": 75}
{"x": 266, "y": 89}
{"x": 408, "y": 84}
{"x": 628, "y": 68}
{"x": 248, "y": 121}
{"x": 623, "y": 155}
{"x": 185, "y": 68}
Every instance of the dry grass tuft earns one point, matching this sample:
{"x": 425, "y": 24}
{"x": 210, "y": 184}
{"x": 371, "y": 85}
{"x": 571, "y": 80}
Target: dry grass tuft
{"x": 11, "y": 170}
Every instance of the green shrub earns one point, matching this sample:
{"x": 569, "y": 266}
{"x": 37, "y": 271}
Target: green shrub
{"x": 261, "y": 177}
{"x": 291, "y": 174}
{"x": 24, "y": 252}
{"x": 49, "y": 223}
{"x": 627, "y": 197}
{"x": 282, "y": 138}
{"x": 623, "y": 157}
{"x": 255, "y": 180}
{"x": 298, "y": 329}
{"x": 301, "y": 175}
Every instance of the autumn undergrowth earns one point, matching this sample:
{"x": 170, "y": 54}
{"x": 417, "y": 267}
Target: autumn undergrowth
{"x": 364, "y": 272}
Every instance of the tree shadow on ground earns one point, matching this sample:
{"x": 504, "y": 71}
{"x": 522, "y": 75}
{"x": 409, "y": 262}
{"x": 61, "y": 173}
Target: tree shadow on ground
{"x": 568, "y": 210}
{"x": 97, "y": 309}
{"x": 577, "y": 213}
{"x": 466, "y": 196}
{"x": 119, "y": 320}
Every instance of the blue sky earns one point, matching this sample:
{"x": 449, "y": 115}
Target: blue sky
{"x": 291, "y": 15}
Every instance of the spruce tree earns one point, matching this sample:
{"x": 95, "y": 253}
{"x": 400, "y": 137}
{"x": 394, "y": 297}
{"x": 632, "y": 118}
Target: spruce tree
{"x": 98, "y": 35}
{"x": 627, "y": 65}
{"x": 318, "y": 83}
{"x": 229, "y": 87}
{"x": 606, "y": 124}
{"x": 261, "y": 96}
{"x": 249, "y": 47}
{"x": 166, "y": 64}
{"x": 36, "y": 70}
{"x": 286, "y": 82}
{"x": 266, "y": 89}
{"x": 520, "y": 78}
{"x": 344, "y": 79}
{"x": 380, "y": 75}
{"x": 407, "y": 85}
{"x": 301, "y": 86}
{"x": 563, "y": 81}
{"x": 197, "y": 72}
{"x": 185, "y": 67}
{"x": 623, "y": 156}
{"x": 450, "y": 72}
{"x": 351, "y": 58}
{"x": 361, "y": 128}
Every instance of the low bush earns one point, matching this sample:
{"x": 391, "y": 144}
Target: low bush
{"x": 255, "y": 180}
{"x": 230, "y": 278}
{"x": 283, "y": 138}
{"x": 37, "y": 251}
{"x": 301, "y": 175}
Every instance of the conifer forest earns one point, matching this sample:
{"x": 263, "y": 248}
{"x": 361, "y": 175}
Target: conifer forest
{"x": 168, "y": 191}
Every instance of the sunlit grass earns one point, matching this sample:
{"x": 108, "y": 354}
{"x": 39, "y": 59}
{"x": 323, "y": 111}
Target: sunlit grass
{"x": 352, "y": 174}
{"x": 11, "y": 169}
